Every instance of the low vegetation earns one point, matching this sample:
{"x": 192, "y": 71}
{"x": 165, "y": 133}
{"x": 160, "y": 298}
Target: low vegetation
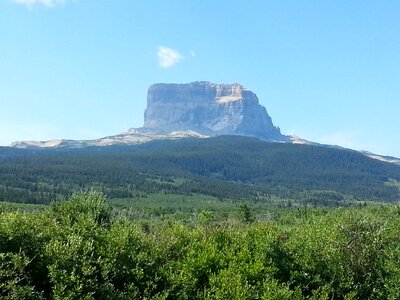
{"x": 81, "y": 248}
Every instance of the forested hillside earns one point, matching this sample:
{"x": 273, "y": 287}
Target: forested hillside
{"x": 223, "y": 167}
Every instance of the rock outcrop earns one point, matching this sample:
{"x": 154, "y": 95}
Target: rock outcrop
{"x": 209, "y": 109}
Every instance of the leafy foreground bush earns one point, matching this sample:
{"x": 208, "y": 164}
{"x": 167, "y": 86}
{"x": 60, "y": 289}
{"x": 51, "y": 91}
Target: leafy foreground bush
{"x": 77, "y": 251}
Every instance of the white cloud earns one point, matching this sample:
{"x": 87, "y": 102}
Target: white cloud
{"x": 192, "y": 53}
{"x": 168, "y": 57}
{"x": 48, "y": 3}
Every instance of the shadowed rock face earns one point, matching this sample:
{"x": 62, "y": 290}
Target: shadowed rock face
{"x": 209, "y": 109}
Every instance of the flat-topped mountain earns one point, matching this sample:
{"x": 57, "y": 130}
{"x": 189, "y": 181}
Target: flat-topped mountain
{"x": 209, "y": 109}
{"x": 198, "y": 109}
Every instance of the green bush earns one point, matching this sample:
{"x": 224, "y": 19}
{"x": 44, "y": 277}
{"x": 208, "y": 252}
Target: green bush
{"x": 15, "y": 282}
{"x": 90, "y": 205}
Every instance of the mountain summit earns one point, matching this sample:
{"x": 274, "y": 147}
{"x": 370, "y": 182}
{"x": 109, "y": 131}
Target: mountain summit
{"x": 208, "y": 109}
{"x": 198, "y": 109}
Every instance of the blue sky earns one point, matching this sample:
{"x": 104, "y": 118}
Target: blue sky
{"x": 327, "y": 71}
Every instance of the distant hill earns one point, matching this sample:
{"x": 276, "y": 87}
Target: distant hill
{"x": 232, "y": 167}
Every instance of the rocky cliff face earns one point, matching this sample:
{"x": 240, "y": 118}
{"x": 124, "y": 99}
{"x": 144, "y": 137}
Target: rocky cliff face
{"x": 209, "y": 109}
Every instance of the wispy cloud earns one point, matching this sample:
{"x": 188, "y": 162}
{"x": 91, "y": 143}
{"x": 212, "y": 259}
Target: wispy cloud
{"x": 48, "y": 3}
{"x": 168, "y": 57}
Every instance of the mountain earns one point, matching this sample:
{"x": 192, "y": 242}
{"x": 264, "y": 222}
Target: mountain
{"x": 195, "y": 110}
{"x": 209, "y": 109}
{"x": 227, "y": 167}
{"x": 198, "y": 109}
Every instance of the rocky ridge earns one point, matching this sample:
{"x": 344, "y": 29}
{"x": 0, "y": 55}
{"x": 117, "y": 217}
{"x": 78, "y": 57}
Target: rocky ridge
{"x": 132, "y": 136}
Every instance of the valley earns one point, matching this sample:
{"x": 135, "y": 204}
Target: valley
{"x": 208, "y": 200}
